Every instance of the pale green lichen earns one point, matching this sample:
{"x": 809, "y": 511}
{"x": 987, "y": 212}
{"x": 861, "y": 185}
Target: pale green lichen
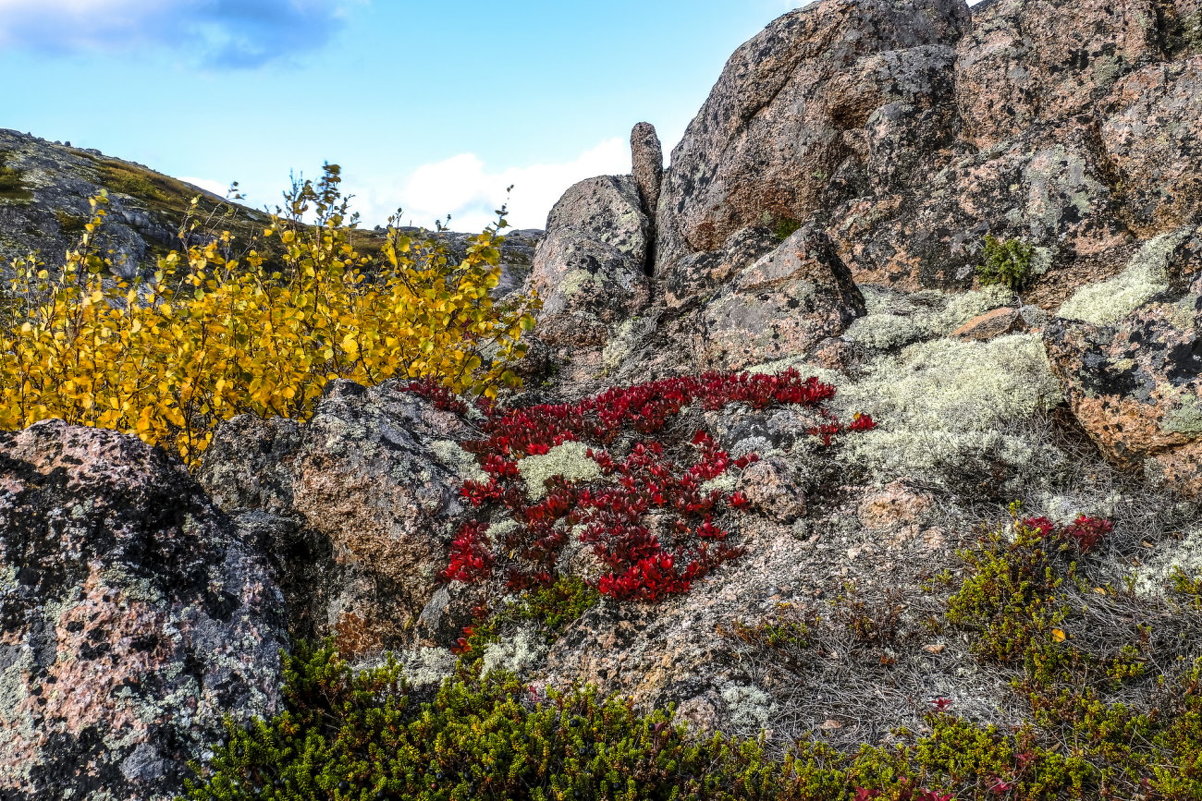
{"x": 895, "y": 319}
{"x": 516, "y": 653}
{"x": 1146, "y": 275}
{"x": 426, "y": 667}
{"x": 748, "y": 708}
{"x": 1185, "y": 417}
{"x": 569, "y": 461}
{"x": 941, "y": 405}
{"x": 799, "y": 364}
{"x": 624, "y": 341}
{"x": 723, "y": 483}
{"x": 497, "y": 531}
{"x": 463, "y": 463}
{"x": 1152, "y": 578}
{"x": 576, "y": 281}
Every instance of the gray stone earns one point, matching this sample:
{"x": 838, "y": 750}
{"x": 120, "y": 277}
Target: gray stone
{"x": 590, "y": 269}
{"x": 647, "y": 158}
{"x": 783, "y": 305}
{"x": 134, "y": 618}
{"x": 775, "y": 136}
{"x": 361, "y": 504}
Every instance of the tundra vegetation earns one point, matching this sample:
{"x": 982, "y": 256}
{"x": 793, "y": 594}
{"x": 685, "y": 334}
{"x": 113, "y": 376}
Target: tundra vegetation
{"x": 1111, "y": 681}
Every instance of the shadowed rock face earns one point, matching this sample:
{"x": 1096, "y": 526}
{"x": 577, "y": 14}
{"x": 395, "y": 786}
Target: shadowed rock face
{"x": 133, "y": 618}
{"x": 783, "y": 304}
{"x": 359, "y": 505}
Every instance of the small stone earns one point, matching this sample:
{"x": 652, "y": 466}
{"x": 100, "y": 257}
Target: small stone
{"x": 992, "y": 324}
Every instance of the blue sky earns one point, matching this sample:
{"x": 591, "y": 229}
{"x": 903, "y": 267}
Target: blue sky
{"x": 433, "y": 106}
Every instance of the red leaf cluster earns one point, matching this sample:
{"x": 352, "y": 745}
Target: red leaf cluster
{"x": 1086, "y": 532}
{"x": 648, "y": 520}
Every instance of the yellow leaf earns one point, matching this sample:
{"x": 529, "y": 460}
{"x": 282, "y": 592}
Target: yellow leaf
{"x": 1058, "y": 635}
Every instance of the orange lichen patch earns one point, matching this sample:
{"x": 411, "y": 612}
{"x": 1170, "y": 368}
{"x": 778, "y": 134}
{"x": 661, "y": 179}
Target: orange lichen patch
{"x": 1126, "y": 430}
{"x": 353, "y": 635}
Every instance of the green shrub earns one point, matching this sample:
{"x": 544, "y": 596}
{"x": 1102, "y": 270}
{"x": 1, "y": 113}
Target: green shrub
{"x": 1006, "y": 262}
{"x": 347, "y": 735}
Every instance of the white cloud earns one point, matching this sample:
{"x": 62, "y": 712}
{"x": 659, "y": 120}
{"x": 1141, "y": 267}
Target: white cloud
{"x": 468, "y": 189}
{"x": 223, "y": 33}
{"x": 209, "y": 185}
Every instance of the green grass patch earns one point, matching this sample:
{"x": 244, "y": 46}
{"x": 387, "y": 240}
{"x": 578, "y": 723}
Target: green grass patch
{"x": 11, "y": 186}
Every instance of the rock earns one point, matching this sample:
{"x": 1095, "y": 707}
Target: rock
{"x": 896, "y": 506}
{"x": 1136, "y": 388}
{"x": 776, "y": 136}
{"x": 772, "y": 488}
{"x": 590, "y": 270}
{"x": 1054, "y": 197}
{"x": 647, "y": 156}
{"x": 1152, "y": 144}
{"x": 992, "y": 324}
{"x": 1027, "y": 63}
{"x": 365, "y": 502}
{"x": 784, "y": 304}
{"x": 699, "y": 275}
{"x": 133, "y": 618}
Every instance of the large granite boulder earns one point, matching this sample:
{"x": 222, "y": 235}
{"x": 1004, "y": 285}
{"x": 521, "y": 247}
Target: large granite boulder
{"x": 1152, "y": 143}
{"x": 1136, "y": 387}
{"x": 360, "y": 504}
{"x": 1031, "y": 63}
{"x": 133, "y": 619}
{"x": 591, "y": 267}
{"x": 1054, "y": 197}
{"x": 799, "y": 109}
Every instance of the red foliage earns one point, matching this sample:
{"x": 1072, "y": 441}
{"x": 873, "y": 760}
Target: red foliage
{"x": 470, "y": 557}
{"x": 1085, "y": 532}
{"x": 647, "y": 518}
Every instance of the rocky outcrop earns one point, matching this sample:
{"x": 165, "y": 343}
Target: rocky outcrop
{"x": 1027, "y": 64}
{"x": 797, "y": 105}
{"x": 647, "y": 159}
{"x": 784, "y": 304}
{"x": 591, "y": 268}
{"x": 1152, "y": 144}
{"x": 359, "y": 505}
{"x": 133, "y": 619}
{"x": 1136, "y": 387}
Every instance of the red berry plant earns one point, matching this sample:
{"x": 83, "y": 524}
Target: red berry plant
{"x": 650, "y": 520}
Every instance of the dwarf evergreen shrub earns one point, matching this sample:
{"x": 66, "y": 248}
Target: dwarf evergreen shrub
{"x": 1007, "y": 262}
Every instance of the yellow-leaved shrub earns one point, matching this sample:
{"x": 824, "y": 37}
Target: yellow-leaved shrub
{"x": 214, "y": 333}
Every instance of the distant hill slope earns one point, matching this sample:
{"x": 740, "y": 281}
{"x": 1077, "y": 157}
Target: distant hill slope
{"x": 44, "y": 191}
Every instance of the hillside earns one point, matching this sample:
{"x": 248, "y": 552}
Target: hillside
{"x": 867, "y": 434}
